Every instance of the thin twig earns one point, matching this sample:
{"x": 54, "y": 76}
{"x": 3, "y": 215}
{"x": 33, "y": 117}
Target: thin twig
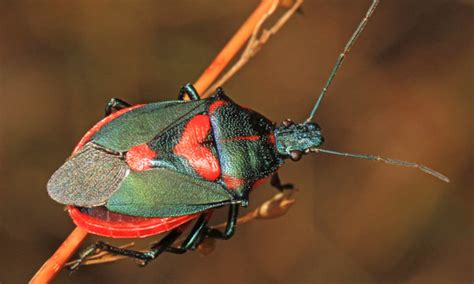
{"x": 231, "y": 49}
{"x": 255, "y": 42}
{"x": 53, "y": 265}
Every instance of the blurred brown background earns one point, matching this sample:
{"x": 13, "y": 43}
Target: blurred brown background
{"x": 404, "y": 92}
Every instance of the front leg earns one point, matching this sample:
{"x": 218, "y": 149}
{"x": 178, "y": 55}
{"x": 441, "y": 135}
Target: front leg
{"x": 276, "y": 182}
{"x": 189, "y": 90}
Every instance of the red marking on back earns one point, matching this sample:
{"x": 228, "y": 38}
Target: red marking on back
{"x": 215, "y": 105}
{"x": 271, "y": 138}
{"x": 242, "y": 138}
{"x": 114, "y": 225}
{"x": 99, "y": 125}
{"x": 191, "y": 147}
{"x": 139, "y": 157}
{"x": 232, "y": 182}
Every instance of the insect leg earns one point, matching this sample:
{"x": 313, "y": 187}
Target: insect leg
{"x": 200, "y": 231}
{"x": 90, "y": 250}
{"x": 147, "y": 256}
{"x": 189, "y": 90}
{"x": 194, "y": 237}
{"x": 116, "y": 104}
{"x": 220, "y": 92}
{"x": 230, "y": 227}
{"x": 276, "y": 182}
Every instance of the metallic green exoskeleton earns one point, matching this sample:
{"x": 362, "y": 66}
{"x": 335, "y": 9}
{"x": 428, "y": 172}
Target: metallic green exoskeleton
{"x": 168, "y": 161}
{"x": 177, "y": 158}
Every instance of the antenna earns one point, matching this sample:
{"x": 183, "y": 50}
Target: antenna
{"x": 341, "y": 57}
{"x": 385, "y": 160}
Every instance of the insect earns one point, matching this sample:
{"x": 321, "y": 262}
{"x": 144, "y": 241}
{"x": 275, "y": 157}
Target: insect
{"x": 152, "y": 168}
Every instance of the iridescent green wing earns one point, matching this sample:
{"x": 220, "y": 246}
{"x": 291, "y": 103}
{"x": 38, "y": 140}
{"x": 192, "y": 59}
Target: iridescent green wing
{"x": 142, "y": 124}
{"x": 91, "y": 176}
{"x": 163, "y": 193}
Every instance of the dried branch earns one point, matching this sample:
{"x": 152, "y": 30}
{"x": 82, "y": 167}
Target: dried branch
{"x": 256, "y": 42}
{"x": 53, "y": 265}
{"x": 231, "y": 49}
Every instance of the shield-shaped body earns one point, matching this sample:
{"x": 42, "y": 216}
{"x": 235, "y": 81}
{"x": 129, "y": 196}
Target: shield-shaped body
{"x": 155, "y": 166}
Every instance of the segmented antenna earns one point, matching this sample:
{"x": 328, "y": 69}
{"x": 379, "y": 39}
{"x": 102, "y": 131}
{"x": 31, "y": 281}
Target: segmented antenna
{"x": 341, "y": 57}
{"x": 422, "y": 168}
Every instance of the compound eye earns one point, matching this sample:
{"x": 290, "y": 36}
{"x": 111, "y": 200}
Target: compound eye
{"x": 296, "y": 155}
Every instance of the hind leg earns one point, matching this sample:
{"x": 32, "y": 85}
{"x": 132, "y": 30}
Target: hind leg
{"x": 147, "y": 256}
{"x": 201, "y": 231}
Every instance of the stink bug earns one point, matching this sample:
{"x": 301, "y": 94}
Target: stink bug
{"x": 149, "y": 169}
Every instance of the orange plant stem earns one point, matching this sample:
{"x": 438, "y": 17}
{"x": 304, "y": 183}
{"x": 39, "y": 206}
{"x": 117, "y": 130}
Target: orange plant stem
{"x": 231, "y": 49}
{"x": 52, "y": 266}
